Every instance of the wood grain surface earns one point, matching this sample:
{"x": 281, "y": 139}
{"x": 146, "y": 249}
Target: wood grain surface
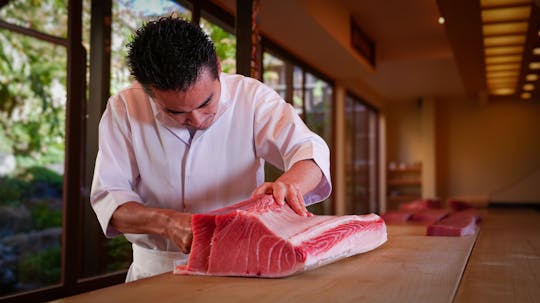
{"x": 505, "y": 263}
{"x": 410, "y": 267}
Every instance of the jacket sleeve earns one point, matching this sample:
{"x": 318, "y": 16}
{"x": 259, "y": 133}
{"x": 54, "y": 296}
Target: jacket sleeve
{"x": 282, "y": 139}
{"x": 116, "y": 171}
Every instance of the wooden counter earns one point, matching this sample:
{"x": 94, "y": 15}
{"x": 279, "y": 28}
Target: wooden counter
{"x": 505, "y": 263}
{"x": 410, "y": 267}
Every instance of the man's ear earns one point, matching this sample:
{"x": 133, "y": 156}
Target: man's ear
{"x": 218, "y": 63}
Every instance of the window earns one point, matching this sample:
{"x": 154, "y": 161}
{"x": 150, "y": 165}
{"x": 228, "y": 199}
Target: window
{"x": 32, "y": 119}
{"x": 274, "y": 73}
{"x": 318, "y": 117}
{"x": 129, "y": 15}
{"x": 360, "y": 156}
{"x": 33, "y": 107}
{"x": 312, "y": 98}
{"x": 225, "y": 43}
{"x": 101, "y": 255}
{"x": 49, "y": 17}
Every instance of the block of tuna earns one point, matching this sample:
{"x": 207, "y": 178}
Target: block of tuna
{"x": 428, "y": 216}
{"x": 420, "y": 204}
{"x": 396, "y": 217}
{"x": 259, "y": 238}
{"x": 460, "y": 223}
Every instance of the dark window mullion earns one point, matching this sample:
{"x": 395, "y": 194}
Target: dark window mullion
{"x": 74, "y": 149}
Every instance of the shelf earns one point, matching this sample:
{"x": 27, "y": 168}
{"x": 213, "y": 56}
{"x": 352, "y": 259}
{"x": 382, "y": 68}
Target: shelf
{"x": 408, "y": 169}
{"x": 403, "y": 198}
{"x": 404, "y": 182}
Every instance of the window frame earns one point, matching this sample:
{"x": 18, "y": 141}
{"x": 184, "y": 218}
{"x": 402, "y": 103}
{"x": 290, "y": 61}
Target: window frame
{"x": 374, "y": 192}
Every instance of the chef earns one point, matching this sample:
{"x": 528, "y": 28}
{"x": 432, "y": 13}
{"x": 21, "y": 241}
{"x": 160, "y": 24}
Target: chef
{"x": 186, "y": 138}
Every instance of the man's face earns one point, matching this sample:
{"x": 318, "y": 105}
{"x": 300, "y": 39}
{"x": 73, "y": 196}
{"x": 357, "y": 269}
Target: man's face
{"x": 196, "y": 107}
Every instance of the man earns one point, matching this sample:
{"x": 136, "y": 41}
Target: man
{"x": 185, "y": 138}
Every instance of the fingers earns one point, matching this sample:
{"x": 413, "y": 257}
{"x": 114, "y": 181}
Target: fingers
{"x": 279, "y": 192}
{"x": 179, "y": 231}
{"x": 291, "y": 194}
{"x": 284, "y": 193}
{"x": 296, "y": 201}
{"x": 264, "y": 188}
{"x": 186, "y": 243}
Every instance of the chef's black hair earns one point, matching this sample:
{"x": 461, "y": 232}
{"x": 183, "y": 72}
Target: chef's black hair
{"x": 170, "y": 53}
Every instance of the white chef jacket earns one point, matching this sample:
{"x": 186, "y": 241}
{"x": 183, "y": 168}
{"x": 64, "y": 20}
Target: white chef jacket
{"x": 146, "y": 157}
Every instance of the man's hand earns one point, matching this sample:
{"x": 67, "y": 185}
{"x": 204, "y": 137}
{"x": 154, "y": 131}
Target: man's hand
{"x": 179, "y": 230}
{"x": 292, "y": 185}
{"x": 282, "y": 193}
{"x": 135, "y": 218}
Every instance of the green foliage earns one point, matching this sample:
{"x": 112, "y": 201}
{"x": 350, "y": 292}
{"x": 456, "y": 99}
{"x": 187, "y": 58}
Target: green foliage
{"x": 42, "y": 267}
{"x": 38, "y": 176}
{"x": 225, "y": 44}
{"x": 12, "y": 191}
{"x": 35, "y": 182}
{"x": 119, "y": 252}
{"x": 32, "y": 97}
{"x": 32, "y": 82}
{"x": 44, "y": 217}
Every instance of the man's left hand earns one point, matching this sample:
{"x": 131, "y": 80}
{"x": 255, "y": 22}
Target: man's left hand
{"x": 282, "y": 193}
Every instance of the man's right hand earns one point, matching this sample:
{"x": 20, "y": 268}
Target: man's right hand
{"x": 135, "y": 218}
{"x": 179, "y": 230}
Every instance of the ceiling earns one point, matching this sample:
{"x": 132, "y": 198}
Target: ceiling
{"x": 415, "y": 55}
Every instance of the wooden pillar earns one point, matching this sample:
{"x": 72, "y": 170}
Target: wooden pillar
{"x": 196, "y": 12}
{"x": 248, "y": 54}
{"x": 74, "y": 142}
{"x": 256, "y": 51}
{"x": 100, "y": 75}
{"x": 243, "y": 37}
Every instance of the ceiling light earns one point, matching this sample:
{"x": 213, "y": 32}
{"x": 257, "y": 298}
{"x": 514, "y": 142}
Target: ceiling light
{"x": 502, "y": 74}
{"x": 528, "y": 87}
{"x": 505, "y": 28}
{"x": 536, "y": 51}
{"x": 504, "y": 40}
{"x": 492, "y": 3}
{"x": 504, "y": 50}
{"x": 506, "y": 13}
{"x": 534, "y": 65}
{"x": 503, "y": 91}
{"x": 502, "y": 59}
{"x": 498, "y": 83}
{"x": 441, "y": 20}
{"x": 531, "y": 77}
{"x": 526, "y": 95}
{"x": 501, "y": 67}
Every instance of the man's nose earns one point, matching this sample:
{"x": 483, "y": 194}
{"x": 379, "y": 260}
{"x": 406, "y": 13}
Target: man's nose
{"x": 195, "y": 119}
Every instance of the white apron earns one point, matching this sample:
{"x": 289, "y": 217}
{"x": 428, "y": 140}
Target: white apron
{"x": 151, "y": 262}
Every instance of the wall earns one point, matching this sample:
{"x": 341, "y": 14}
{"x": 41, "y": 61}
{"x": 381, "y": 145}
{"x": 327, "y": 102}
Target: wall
{"x": 485, "y": 150}
{"x": 489, "y": 151}
{"x": 403, "y": 132}
{"x": 411, "y": 138}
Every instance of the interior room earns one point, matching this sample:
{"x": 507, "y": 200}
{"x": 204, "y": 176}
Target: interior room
{"x": 427, "y": 107}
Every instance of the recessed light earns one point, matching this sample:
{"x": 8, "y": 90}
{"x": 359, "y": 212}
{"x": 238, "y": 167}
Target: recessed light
{"x": 503, "y": 59}
{"x": 501, "y": 67}
{"x": 503, "y": 91}
{"x": 534, "y": 65}
{"x": 531, "y": 77}
{"x": 504, "y": 40}
{"x": 503, "y": 50}
{"x": 441, "y": 20}
{"x": 505, "y": 28}
{"x": 526, "y": 95}
{"x": 528, "y": 87}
